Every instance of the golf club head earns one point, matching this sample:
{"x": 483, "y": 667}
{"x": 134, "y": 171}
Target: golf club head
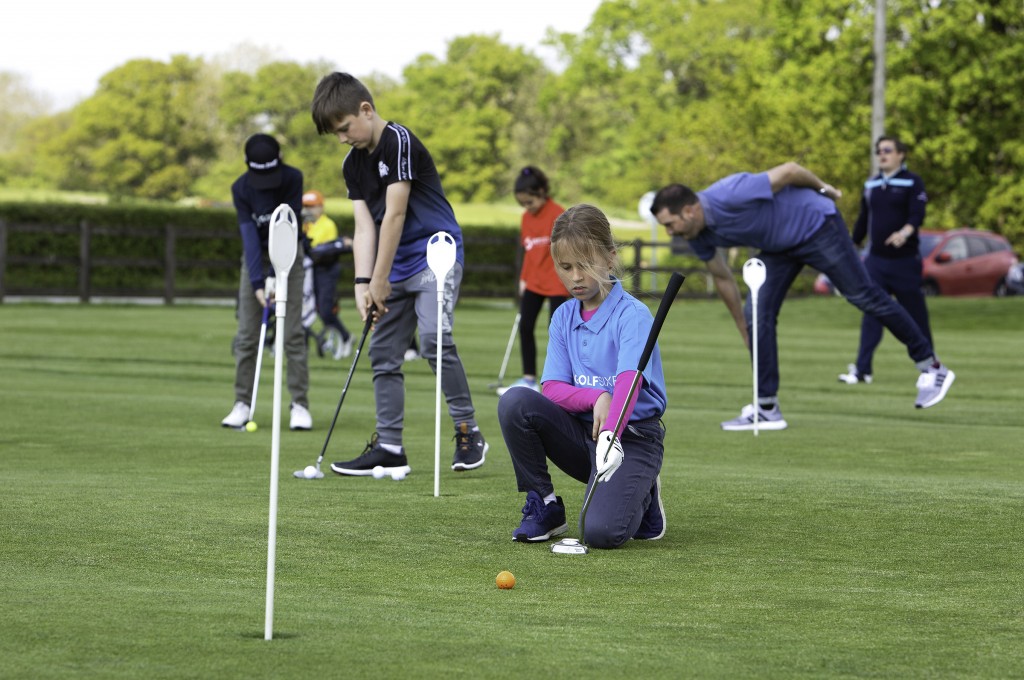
{"x": 441, "y": 251}
{"x": 754, "y": 274}
{"x": 301, "y": 474}
{"x": 283, "y": 244}
{"x": 569, "y": 546}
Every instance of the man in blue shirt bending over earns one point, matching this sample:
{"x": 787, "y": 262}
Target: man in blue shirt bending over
{"x": 790, "y": 215}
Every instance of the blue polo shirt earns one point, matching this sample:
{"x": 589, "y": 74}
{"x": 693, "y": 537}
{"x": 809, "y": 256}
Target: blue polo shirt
{"x": 591, "y": 353}
{"x": 400, "y": 157}
{"x": 741, "y": 210}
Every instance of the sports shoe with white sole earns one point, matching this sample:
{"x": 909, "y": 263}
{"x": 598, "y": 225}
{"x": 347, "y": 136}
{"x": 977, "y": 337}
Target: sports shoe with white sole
{"x": 300, "y": 418}
{"x": 343, "y": 349}
{"x": 653, "y": 525}
{"x": 932, "y": 386}
{"x": 541, "y": 521}
{"x": 373, "y": 456}
{"x": 470, "y": 448}
{"x": 852, "y": 377}
{"x": 238, "y": 417}
{"x": 766, "y": 420}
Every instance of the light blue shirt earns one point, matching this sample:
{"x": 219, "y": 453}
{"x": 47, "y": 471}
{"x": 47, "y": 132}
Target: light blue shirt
{"x": 742, "y": 210}
{"x": 589, "y": 354}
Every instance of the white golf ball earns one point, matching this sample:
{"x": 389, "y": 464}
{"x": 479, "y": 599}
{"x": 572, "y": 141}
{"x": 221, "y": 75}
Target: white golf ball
{"x": 309, "y": 472}
{"x": 398, "y": 474}
{"x": 379, "y": 472}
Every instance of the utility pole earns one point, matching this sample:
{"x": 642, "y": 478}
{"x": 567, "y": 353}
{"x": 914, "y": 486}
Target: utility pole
{"x": 878, "y": 86}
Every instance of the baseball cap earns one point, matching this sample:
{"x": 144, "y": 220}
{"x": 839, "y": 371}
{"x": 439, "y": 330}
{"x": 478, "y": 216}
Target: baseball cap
{"x": 263, "y": 156}
{"x": 312, "y": 197}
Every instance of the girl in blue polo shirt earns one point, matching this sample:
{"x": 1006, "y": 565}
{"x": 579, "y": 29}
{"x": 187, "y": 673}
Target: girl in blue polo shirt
{"x": 594, "y": 346}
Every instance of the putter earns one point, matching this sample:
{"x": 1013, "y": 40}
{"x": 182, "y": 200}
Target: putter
{"x": 440, "y": 258}
{"x": 754, "y": 274}
{"x": 508, "y": 351}
{"x": 572, "y": 546}
{"x": 283, "y": 245}
{"x": 301, "y": 474}
{"x": 259, "y": 366}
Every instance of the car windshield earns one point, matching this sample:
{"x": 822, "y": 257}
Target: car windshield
{"x": 928, "y": 243}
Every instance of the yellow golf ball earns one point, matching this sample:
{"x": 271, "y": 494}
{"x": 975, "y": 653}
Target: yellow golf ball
{"x": 250, "y": 426}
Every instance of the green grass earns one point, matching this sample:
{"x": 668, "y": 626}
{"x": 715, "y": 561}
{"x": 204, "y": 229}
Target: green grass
{"x": 868, "y": 540}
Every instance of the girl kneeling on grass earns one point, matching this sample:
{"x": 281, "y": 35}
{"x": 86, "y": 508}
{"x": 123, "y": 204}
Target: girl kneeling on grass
{"x": 594, "y": 346}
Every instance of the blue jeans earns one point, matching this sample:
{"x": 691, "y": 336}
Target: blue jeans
{"x": 831, "y": 252}
{"x": 536, "y": 430}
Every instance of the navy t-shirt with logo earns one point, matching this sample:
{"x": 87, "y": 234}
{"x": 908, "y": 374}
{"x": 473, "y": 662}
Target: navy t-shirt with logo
{"x": 401, "y": 157}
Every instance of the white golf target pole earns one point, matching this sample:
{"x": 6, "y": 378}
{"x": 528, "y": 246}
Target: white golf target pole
{"x": 283, "y": 246}
{"x": 440, "y": 259}
{"x": 754, "y": 275}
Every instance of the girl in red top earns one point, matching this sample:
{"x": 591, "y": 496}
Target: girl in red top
{"x": 538, "y": 279}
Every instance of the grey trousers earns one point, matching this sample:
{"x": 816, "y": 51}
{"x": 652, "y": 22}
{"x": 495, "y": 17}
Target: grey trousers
{"x": 537, "y": 430}
{"x": 412, "y": 306}
{"x": 250, "y": 318}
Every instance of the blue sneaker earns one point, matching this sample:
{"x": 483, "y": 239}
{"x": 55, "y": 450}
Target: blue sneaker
{"x": 652, "y": 526}
{"x": 541, "y": 521}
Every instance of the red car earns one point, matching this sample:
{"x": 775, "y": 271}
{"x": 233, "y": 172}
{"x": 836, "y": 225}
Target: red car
{"x": 957, "y": 262}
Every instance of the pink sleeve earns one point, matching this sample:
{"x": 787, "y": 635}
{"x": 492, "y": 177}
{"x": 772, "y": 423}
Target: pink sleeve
{"x": 619, "y": 405}
{"x": 571, "y": 398}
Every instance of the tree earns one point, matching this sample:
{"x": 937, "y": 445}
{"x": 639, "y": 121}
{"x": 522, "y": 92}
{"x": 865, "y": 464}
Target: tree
{"x": 139, "y": 135}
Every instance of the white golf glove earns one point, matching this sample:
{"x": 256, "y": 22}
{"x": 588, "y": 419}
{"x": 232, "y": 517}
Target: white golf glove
{"x": 609, "y": 455}
{"x": 269, "y": 287}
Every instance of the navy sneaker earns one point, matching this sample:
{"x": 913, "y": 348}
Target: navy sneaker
{"x": 652, "y": 526}
{"x": 373, "y": 456}
{"x": 470, "y": 448}
{"x": 541, "y": 521}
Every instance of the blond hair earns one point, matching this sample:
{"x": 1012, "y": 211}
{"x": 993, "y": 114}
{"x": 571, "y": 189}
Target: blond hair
{"x": 582, "y": 234}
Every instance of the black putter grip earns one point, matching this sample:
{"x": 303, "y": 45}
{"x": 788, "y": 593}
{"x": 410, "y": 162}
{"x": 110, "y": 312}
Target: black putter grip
{"x": 674, "y": 284}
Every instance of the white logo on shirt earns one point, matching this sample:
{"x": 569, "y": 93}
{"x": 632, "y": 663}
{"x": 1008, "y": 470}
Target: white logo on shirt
{"x": 383, "y": 169}
{"x": 532, "y": 242}
{"x": 599, "y": 381}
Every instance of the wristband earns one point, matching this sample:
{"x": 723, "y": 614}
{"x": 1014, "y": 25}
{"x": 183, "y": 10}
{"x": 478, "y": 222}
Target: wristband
{"x": 362, "y": 279}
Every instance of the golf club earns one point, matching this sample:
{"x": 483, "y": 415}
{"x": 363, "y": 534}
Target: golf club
{"x": 441, "y": 252}
{"x": 259, "y": 365}
{"x": 754, "y": 274}
{"x": 674, "y": 283}
{"x": 317, "y": 473}
{"x": 508, "y": 351}
{"x": 283, "y": 244}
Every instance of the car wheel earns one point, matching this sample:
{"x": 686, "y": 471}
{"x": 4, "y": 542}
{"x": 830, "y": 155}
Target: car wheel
{"x": 930, "y": 288}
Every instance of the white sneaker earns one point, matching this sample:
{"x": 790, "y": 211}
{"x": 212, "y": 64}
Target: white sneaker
{"x": 343, "y": 349}
{"x": 301, "y": 419}
{"x": 932, "y": 386}
{"x": 238, "y": 417}
{"x": 766, "y": 420}
{"x": 852, "y": 377}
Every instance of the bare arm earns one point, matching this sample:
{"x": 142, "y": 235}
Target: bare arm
{"x": 726, "y": 286}
{"x": 396, "y": 205}
{"x": 364, "y": 247}
{"x": 795, "y": 175}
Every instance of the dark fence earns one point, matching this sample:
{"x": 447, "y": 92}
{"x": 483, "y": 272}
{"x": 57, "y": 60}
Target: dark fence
{"x": 174, "y": 269}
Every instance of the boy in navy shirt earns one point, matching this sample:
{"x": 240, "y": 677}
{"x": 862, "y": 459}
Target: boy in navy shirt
{"x": 398, "y": 204}
{"x": 267, "y": 183}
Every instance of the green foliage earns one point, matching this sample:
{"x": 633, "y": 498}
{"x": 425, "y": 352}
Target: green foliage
{"x": 654, "y": 91}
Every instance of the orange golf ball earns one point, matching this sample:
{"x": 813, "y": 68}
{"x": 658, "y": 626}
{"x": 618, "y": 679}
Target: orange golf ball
{"x": 505, "y": 580}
